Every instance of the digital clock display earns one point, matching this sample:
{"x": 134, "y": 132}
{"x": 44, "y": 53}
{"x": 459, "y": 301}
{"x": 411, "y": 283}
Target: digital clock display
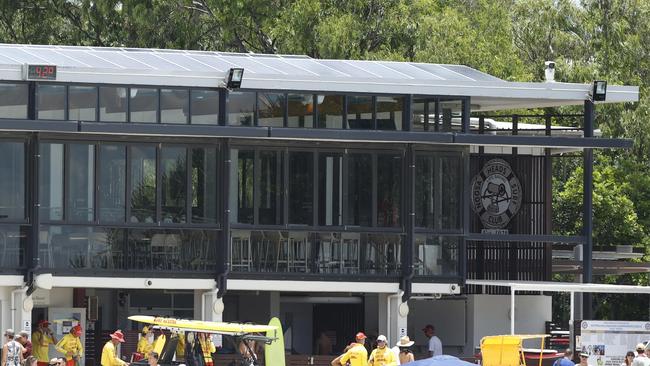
{"x": 41, "y": 72}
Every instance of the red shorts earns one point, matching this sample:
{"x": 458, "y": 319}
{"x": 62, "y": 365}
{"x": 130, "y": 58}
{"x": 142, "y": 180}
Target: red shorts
{"x": 70, "y": 362}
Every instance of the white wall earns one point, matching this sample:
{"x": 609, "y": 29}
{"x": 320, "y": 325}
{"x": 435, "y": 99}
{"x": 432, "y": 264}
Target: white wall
{"x": 448, "y": 316}
{"x": 5, "y": 307}
{"x": 462, "y": 322}
{"x": 491, "y": 315}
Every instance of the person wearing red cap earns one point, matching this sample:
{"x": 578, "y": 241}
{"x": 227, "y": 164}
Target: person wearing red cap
{"x": 70, "y": 346}
{"x": 356, "y": 355}
{"x": 109, "y": 355}
{"x": 41, "y": 340}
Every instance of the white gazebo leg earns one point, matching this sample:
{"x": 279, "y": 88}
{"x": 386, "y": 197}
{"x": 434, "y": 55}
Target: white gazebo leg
{"x": 512, "y": 310}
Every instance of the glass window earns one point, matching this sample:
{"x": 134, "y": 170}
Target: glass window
{"x": 330, "y": 111}
{"x": 205, "y": 107}
{"x": 451, "y": 115}
{"x": 82, "y": 247}
{"x": 451, "y": 197}
{"x": 12, "y": 185}
{"x": 82, "y": 103}
{"x": 425, "y": 184}
{"x": 389, "y": 113}
{"x": 330, "y": 189}
{"x": 144, "y": 105}
{"x": 359, "y": 199}
{"x": 51, "y": 181}
{"x": 112, "y": 183}
{"x": 241, "y": 108}
{"x": 270, "y": 109}
{"x": 112, "y": 104}
{"x": 50, "y": 101}
{"x": 270, "y": 207}
{"x": 14, "y": 242}
{"x": 174, "y": 105}
{"x": 436, "y": 255}
{"x": 143, "y": 184}
{"x": 81, "y": 182}
{"x": 173, "y": 165}
{"x": 204, "y": 185}
{"x": 301, "y": 110}
{"x": 419, "y": 118}
{"x": 13, "y": 100}
{"x": 360, "y": 112}
{"x": 241, "y": 205}
{"x": 301, "y": 187}
{"x": 389, "y": 190}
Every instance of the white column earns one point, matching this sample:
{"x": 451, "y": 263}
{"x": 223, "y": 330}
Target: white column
{"x": 21, "y": 311}
{"x": 274, "y": 300}
{"x": 212, "y": 307}
{"x": 397, "y": 316}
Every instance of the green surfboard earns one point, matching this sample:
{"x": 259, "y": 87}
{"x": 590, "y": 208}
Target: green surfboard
{"x": 274, "y": 352}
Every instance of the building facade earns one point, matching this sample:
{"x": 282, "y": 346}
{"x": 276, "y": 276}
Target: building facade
{"x": 339, "y": 195}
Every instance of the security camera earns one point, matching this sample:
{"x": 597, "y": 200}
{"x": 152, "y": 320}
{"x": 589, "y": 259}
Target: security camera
{"x": 549, "y": 71}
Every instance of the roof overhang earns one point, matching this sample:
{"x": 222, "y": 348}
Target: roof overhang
{"x": 563, "y": 286}
{"x": 181, "y": 68}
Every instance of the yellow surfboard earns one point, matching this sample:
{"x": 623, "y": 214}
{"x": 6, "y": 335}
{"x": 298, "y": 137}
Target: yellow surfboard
{"x": 203, "y": 326}
{"x": 274, "y": 352}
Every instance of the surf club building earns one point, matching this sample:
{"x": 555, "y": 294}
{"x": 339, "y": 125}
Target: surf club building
{"x": 339, "y": 195}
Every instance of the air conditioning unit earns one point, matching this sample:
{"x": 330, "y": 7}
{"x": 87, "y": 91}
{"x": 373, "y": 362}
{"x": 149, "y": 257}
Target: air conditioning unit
{"x": 92, "y": 305}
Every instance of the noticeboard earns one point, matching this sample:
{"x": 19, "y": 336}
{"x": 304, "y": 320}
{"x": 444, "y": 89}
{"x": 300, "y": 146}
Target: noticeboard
{"x": 607, "y": 342}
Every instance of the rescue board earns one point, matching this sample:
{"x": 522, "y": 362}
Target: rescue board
{"x": 274, "y": 352}
{"x": 204, "y": 326}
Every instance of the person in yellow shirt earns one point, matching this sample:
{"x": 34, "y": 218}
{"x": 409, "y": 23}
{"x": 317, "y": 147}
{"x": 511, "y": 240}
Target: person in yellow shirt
{"x": 357, "y": 355}
{"x": 109, "y": 354}
{"x": 180, "y": 347}
{"x": 207, "y": 348}
{"x": 382, "y": 355}
{"x": 70, "y": 346}
{"x": 145, "y": 344}
{"x": 159, "y": 343}
{"x": 41, "y": 340}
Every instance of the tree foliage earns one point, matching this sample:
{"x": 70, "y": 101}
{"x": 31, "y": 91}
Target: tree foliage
{"x": 511, "y": 39}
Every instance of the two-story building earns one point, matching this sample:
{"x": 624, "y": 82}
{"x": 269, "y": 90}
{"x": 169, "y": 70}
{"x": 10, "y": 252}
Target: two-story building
{"x": 339, "y": 195}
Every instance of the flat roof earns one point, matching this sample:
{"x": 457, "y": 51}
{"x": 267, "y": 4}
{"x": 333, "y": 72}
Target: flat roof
{"x": 159, "y": 67}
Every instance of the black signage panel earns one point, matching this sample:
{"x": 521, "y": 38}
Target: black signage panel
{"x": 41, "y": 72}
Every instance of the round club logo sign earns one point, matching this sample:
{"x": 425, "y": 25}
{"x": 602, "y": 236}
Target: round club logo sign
{"x": 496, "y": 194}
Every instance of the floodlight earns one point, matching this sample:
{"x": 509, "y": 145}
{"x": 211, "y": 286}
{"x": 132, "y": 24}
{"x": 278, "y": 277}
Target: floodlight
{"x": 234, "y": 79}
{"x": 600, "y": 90}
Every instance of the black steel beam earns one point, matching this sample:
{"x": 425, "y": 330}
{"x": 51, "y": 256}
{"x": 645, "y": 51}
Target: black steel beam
{"x": 38, "y": 125}
{"x": 360, "y": 135}
{"x": 169, "y": 129}
{"x": 587, "y": 214}
{"x": 526, "y": 238}
{"x": 542, "y": 141}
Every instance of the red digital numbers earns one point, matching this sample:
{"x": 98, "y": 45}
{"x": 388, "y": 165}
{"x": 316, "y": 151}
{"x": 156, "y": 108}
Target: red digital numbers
{"x": 42, "y": 72}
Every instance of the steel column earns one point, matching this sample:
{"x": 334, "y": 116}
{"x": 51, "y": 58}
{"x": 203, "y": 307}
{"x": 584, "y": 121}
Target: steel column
{"x": 587, "y": 215}
{"x": 407, "y": 248}
{"x": 31, "y": 252}
{"x": 223, "y": 246}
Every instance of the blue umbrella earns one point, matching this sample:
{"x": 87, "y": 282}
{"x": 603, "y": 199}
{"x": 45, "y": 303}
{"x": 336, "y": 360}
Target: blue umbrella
{"x": 443, "y": 360}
